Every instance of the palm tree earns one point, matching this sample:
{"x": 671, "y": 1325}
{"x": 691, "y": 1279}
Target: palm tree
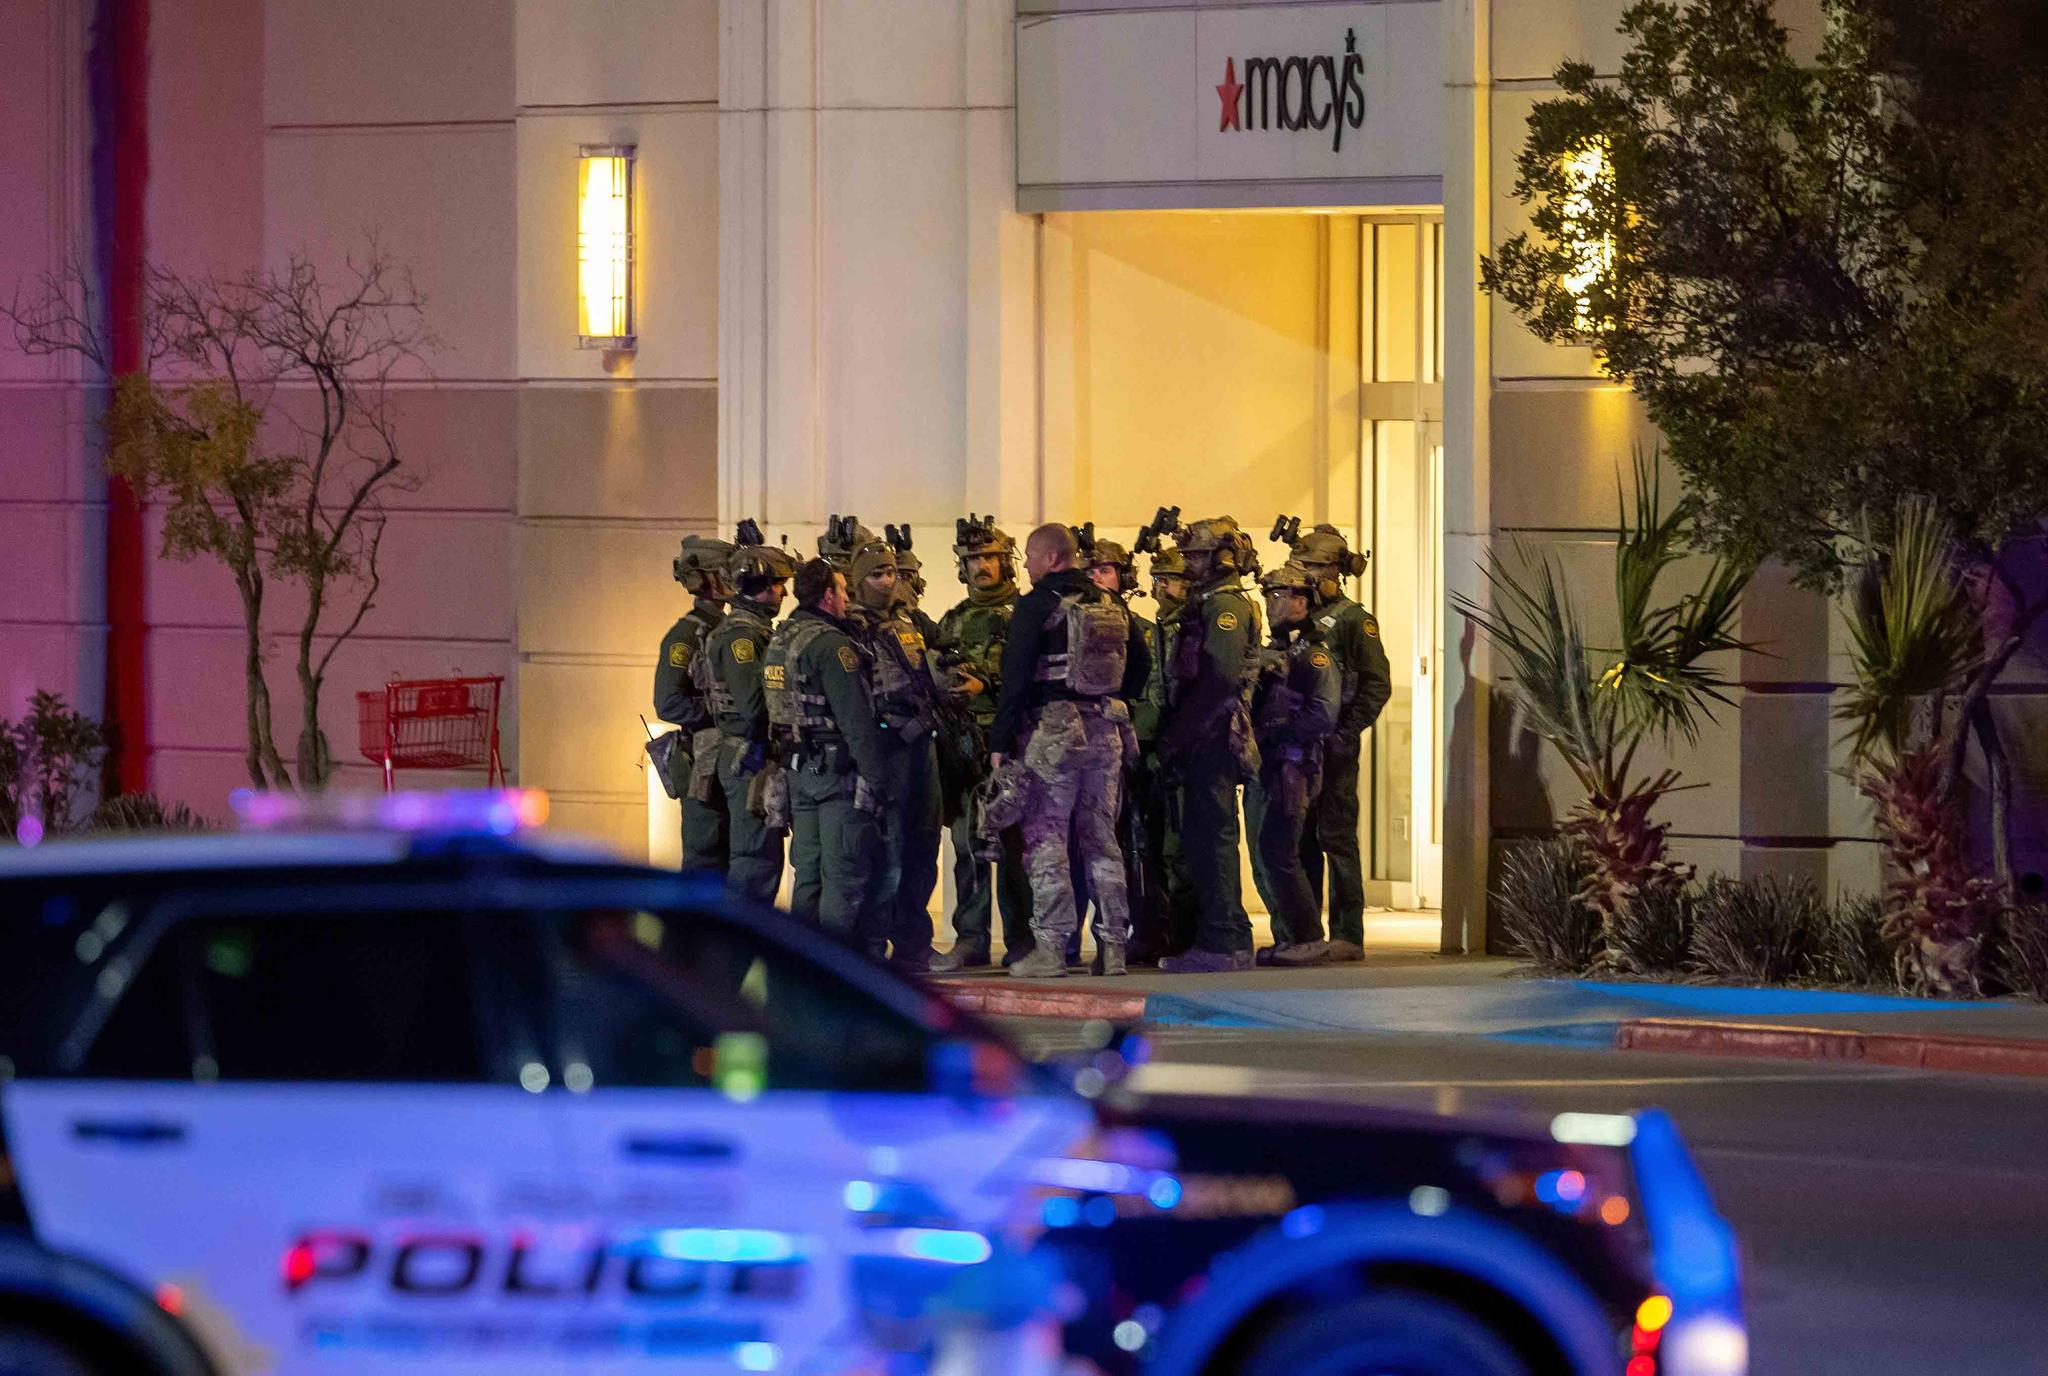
{"x": 1914, "y": 642}
{"x": 1598, "y": 706}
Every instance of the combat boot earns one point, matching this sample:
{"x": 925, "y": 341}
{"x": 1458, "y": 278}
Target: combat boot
{"x": 1109, "y": 958}
{"x": 1301, "y": 953}
{"x": 1201, "y": 962}
{"x": 965, "y": 955}
{"x": 1044, "y": 961}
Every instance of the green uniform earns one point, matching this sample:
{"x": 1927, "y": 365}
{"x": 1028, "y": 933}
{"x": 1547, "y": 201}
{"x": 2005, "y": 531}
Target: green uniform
{"x": 1293, "y": 712}
{"x": 1206, "y": 743}
{"x": 1331, "y": 839}
{"x": 839, "y": 767}
{"x": 975, "y": 631}
{"x": 731, "y": 677}
{"x": 677, "y": 702}
{"x": 1163, "y": 912}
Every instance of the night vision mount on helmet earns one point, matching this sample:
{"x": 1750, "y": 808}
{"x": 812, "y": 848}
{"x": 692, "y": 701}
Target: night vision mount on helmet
{"x": 701, "y": 565}
{"x": 755, "y": 561}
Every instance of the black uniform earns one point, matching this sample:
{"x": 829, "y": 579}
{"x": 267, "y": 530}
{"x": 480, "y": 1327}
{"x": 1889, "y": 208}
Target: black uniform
{"x": 1293, "y": 711}
{"x": 1331, "y": 839}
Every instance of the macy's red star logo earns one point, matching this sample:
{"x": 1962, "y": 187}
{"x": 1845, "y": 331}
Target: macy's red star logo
{"x": 1228, "y": 93}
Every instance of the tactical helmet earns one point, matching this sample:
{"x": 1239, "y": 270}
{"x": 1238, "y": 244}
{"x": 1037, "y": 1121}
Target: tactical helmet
{"x": 1167, "y": 563}
{"x": 909, "y": 568}
{"x": 1109, "y": 552}
{"x": 1325, "y": 547}
{"x": 841, "y": 537}
{"x": 1220, "y": 537}
{"x": 700, "y": 566}
{"x": 974, "y": 534}
{"x": 1290, "y": 576}
{"x": 755, "y": 561}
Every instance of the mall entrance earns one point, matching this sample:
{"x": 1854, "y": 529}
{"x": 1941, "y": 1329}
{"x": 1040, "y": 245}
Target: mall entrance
{"x": 1264, "y": 363}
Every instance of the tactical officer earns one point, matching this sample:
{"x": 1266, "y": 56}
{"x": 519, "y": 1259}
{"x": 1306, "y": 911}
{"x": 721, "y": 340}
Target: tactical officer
{"x": 954, "y": 740}
{"x": 972, "y": 635}
{"x": 817, "y": 679}
{"x": 903, "y": 690}
{"x": 1294, "y": 709}
{"x": 729, "y": 674}
{"x": 1206, "y": 743}
{"x": 700, "y": 568}
{"x": 1353, "y": 638}
{"x": 1163, "y": 916}
{"x": 1111, "y": 568}
{"x": 1072, "y": 661}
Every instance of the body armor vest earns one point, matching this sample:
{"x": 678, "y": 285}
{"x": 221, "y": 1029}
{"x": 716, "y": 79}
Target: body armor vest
{"x": 898, "y": 677}
{"x": 1097, "y": 648}
{"x": 796, "y": 706}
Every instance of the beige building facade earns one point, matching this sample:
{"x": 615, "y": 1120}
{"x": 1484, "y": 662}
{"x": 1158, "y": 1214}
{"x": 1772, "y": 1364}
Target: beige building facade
{"x": 908, "y": 259}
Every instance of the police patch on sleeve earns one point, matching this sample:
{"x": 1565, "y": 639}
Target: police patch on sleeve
{"x": 678, "y": 655}
{"x": 1226, "y": 621}
{"x": 1372, "y": 628}
{"x": 848, "y": 660}
{"x": 1319, "y": 658}
{"x": 743, "y": 650}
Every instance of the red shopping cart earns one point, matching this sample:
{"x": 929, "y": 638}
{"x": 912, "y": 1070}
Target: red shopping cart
{"x": 433, "y": 723}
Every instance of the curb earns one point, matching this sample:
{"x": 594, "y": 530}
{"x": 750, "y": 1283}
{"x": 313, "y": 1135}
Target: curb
{"x": 1014, "y": 999}
{"x": 1911, "y": 1051}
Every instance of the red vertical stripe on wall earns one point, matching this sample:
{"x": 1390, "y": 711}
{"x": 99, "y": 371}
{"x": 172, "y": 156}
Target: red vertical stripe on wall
{"x": 121, "y": 133}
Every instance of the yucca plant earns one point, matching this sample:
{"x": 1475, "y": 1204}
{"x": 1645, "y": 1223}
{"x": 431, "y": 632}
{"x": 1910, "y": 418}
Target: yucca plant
{"x": 1913, "y": 642}
{"x": 1598, "y": 706}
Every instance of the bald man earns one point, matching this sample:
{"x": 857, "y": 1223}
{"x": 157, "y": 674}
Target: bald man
{"x": 1073, "y": 661}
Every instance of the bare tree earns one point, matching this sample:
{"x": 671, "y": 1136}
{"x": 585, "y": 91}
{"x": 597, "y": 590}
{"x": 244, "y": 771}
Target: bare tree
{"x": 261, "y": 420}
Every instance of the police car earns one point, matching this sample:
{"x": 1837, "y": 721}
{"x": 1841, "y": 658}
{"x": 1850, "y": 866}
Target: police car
{"x": 438, "y": 1095}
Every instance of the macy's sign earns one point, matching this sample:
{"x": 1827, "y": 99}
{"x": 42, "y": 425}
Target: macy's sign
{"x": 1294, "y": 93}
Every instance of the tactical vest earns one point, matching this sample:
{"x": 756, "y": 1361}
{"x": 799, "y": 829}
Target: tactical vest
{"x": 900, "y": 683}
{"x": 797, "y": 707}
{"x": 1098, "y": 637}
{"x": 1191, "y": 631}
{"x": 1329, "y": 616}
{"x": 710, "y": 684}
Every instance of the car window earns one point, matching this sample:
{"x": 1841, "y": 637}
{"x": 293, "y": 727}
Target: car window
{"x": 668, "y": 999}
{"x": 343, "y": 996}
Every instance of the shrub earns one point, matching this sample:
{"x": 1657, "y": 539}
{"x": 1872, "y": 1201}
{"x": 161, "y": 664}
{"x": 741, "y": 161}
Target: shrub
{"x": 2021, "y": 960}
{"x": 1653, "y": 929}
{"x": 143, "y": 812}
{"x": 1760, "y": 931}
{"x": 1535, "y": 900}
{"x": 1854, "y": 949}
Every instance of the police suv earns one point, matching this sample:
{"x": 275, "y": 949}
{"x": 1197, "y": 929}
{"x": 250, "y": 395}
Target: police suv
{"x": 438, "y": 1096}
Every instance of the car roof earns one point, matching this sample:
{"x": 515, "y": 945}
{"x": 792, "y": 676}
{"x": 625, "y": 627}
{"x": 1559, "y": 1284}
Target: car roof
{"x": 216, "y": 852}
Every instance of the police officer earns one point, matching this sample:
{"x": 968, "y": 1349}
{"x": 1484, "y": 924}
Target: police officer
{"x": 903, "y": 690}
{"x": 1353, "y": 638}
{"x": 700, "y": 568}
{"x": 1294, "y": 709}
{"x": 972, "y": 635}
{"x": 1206, "y": 743}
{"x": 1163, "y": 921}
{"x": 817, "y": 679}
{"x": 1072, "y": 661}
{"x": 953, "y": 742}
{"x": 1110, "y": 567}
{"x": 729, "y": 673}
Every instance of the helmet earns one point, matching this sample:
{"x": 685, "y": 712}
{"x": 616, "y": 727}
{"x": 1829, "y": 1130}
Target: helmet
{"x": 700, "y": 567}
{"x": 1167, "y": 563}
{"x": 1111, "y": 553}
{"x": 755, "y": 561}
{"x": 841, "y": 537}
{"x": 908, "y": 565}
{"x": 1325, "y": 547}
{"x": 1291, "y": 577}
{"x": 974, "y": 535}
{"x": 1220, "y": 537}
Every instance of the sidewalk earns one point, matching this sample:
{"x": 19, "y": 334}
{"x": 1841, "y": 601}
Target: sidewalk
{"x": 1417, "y": 993}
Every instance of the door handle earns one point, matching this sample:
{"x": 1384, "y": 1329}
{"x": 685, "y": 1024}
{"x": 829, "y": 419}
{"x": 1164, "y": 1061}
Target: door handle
{"x": 128, "y": 1132}
{"x": 682, "y": 1150}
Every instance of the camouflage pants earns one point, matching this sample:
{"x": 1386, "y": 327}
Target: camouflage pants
{"x": 1074, "y": 763}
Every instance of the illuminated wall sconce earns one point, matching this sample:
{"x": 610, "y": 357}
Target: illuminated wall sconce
{"x": 604, "y": 246}
{"x": 1590, "y": 179}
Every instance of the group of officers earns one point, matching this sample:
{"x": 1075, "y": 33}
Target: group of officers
{"x": 1088, "y": 760}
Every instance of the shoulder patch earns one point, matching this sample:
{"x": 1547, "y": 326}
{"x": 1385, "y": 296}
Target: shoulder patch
{"x": 743, "y": 650}
{"x": 1319, "y": 658}
{"x": 848, "y": 660}
{"x": 1371, "y": 627}
{"x": 1226, "y": 621}
{"x": 678, "y": 655}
